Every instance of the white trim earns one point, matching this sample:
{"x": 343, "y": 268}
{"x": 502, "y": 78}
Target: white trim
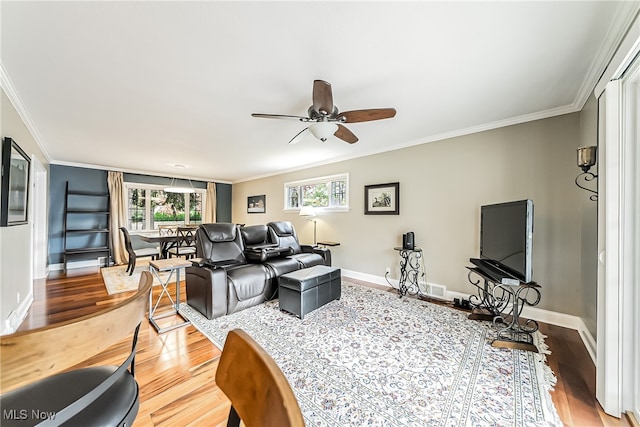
{"x": 539, "y": 115}
{"x": 618, "y": 364}
{"x": 319, "y": 210}
{"x": 609, "y": 317}
{"x": 630, "y": 241}
{"x": 627, "y": 46}
{"x": 588, "y": 340}
{"x": 365, "y": 277}
{"x": 12, "y": 94}
{"x": 98, "y": 262}
{"x": 137, "y": 171}
{"x": 17, "y": 316}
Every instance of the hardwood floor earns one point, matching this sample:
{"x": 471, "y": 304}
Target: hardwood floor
{"x": 176, "y": 370}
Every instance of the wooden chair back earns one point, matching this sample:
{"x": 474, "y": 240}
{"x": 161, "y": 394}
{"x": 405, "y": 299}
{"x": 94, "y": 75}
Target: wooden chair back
{"x": 259, "y": 392}
{"x": 31, "y": 355}
{"x": 186, "y": 236}
{"x": 167, "y": 230}
{"x": 127, "y": 242}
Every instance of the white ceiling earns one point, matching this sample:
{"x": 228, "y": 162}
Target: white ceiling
{"x": 139, "y": 86}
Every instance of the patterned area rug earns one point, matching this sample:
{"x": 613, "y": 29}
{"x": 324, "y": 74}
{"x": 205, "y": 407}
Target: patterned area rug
{"x": 116, "y": 280}
{"x": 374, "y": 359}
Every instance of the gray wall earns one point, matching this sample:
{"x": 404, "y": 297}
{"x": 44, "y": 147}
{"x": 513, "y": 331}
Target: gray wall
{"x": 95, "y": 180}
{"x": 223, "y": 208}
{"x": 442, "y": 186}
{"x": 588, "y": 225}
{"x": 80, "y": 179}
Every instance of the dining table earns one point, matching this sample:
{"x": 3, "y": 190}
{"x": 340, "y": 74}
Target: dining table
{"x": 165, "y": 241}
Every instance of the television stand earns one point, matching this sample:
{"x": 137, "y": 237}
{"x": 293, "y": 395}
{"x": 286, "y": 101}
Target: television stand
{"x": 502, "y": 304}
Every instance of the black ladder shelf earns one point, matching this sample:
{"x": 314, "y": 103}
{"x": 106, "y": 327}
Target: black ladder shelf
{"x": 86, "y": 224}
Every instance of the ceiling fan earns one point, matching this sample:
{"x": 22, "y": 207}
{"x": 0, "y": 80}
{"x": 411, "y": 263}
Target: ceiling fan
{"x": 326, "y": 118}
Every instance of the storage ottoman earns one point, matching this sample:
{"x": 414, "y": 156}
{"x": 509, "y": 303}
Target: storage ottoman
{"x": 303, "y": 291}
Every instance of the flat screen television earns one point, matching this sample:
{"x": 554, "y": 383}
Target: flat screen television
{"x": 506, "y": 237}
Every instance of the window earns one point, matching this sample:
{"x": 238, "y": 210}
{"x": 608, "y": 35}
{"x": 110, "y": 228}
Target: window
{"x": 149, "y": 206}
{"x": 327, "y": 193}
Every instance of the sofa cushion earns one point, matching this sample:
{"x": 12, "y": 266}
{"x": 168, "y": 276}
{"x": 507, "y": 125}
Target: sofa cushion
{"x": 220, "y": 232}
{"x": 253, "y": 235}
{"x": 308, "y": 259}
{"x": 280, "y": 266}
{"x": 283, "y": 233}
{"x": 219, "y": 242}
{"x": 248, "y": 281}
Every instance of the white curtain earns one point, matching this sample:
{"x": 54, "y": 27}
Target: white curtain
{"x": 210, "y": 204}
{"x": 117, "y": 216}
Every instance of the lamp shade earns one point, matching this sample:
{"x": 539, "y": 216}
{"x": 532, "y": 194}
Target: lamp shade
{"x": 175, "y": 189}
{"x": 178, "y": 190}
{"x": 307, "y": 211}
{"x": 323, "y": 130}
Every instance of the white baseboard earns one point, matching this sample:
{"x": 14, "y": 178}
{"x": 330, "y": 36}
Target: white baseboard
{"x": 433, "y": 289}
{"x": 538, "y": 314}
{"x": 77, "y": 264}
{"x": 378, "y": 280}
{"x": 588, "y": 340}
{"x": 17, "y": 316}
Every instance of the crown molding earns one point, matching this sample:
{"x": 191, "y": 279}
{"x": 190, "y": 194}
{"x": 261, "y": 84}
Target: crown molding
{"x": 8, "y": 88}
{"x": 626, "y": 48}
{"x": 619, "y": 28}
{"x": 559, "y": 111}
{"x": 138, "y": 172}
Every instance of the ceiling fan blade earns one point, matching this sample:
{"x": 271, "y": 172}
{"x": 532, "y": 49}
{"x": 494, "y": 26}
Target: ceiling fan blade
{"x": 356, "y": 116}
{"x": 300, "y": 136}
{"x": 322, "y": 97}
{"x": 280, "y": 116}
{"x": 345, "y": 134}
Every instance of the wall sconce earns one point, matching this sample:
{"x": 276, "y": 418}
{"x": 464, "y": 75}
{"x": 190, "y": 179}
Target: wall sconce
{"x": 310, "y": 214}
{"x": 586, "y": 159}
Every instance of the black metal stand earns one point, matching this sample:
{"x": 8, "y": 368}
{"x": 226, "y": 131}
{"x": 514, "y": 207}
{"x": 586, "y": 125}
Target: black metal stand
{"x": 502, "y": 304}
{"x": 412, "y": 269}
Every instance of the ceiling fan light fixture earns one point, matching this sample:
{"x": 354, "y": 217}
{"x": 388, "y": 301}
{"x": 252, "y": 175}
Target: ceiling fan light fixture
{"x": 323, "y": 130}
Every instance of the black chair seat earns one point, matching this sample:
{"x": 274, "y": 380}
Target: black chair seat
{"x": 118, "y": 406}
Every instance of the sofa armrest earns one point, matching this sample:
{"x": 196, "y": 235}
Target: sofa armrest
{"x": 261, "y": 254}
{"x": 213, "y": 265}
{"x": 207, "y": 290}
{"x": 325, "y": 253}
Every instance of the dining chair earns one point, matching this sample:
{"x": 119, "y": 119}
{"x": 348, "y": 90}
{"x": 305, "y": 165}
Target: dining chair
{"x": 37, "y": 387}
{"x": 154, "y": 252}
{"x": 259, "y": 392}
{"x": 185, "y": 243}
{"x": 167, "y": 230}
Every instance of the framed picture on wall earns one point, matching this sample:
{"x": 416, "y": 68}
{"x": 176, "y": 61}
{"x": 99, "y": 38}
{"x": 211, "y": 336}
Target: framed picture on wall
{"x": 15, "y": 184}
{"x": 382, "y": 199}
{"x": 257, "y": 204}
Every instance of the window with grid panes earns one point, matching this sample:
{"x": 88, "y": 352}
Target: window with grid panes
{"x": 326, "y": 193}
{"x": 149, "y": 206}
